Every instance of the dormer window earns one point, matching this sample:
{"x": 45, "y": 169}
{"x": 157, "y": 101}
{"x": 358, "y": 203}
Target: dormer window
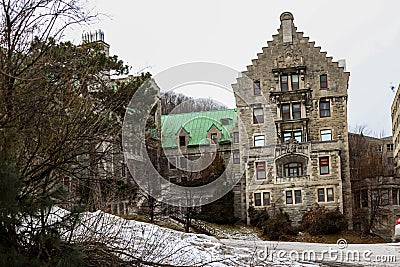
{"x": 182, "y": 141}
{"x": 214, "y": 138}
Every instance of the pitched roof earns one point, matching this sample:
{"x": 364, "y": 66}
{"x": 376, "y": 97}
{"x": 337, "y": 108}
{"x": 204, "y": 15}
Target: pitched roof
{"x": 196, "y": 124}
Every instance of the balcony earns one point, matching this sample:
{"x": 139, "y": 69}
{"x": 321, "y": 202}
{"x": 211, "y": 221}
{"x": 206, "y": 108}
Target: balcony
{"x": 291, "y": 148}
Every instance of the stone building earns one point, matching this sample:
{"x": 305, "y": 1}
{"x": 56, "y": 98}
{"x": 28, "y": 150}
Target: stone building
{"x": 395, "y": 111}
{"x": 375, "y": 189}
{"x": 191, "y": 141}
{"x": 292, "y": 116}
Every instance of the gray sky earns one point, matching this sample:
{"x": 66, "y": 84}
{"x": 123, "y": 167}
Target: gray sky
{"x": 156, "y": 35}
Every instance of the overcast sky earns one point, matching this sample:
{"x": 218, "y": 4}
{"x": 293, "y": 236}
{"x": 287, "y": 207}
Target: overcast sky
{"x": 157, "y": 35}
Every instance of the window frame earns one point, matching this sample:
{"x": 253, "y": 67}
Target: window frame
{"x": 257, "y": 197}
{"x": 255, "y": 117}
{"x": 389, "y": 147}
{"x": 182, "y": 140}
{"x": 289, "y": 196}
{"x": 293, "y": 134}
{"x": 323, "y": 135}
{"x": 261, "y": 167}
{"x": 214, "y": 138}
{"x": 284, "y": 83}
{"x": 236, "y": 157}
{"x": 323, "y": 81}
{"x": 321, "y": 195}
{"x": 255, "y": 140}
{"x": 236, "y": 137}
{"x": 256, "y": 87}
{"x": 296, "y": 113}
{"x": 295, "y": 85}
{"x": 328, "y": 198}
{"x": 298, "y": 198}
{"x": 324, "y": 163}
{"x": 268, "y": 198}
{"x": 285, "y": 114}
{"x": 288, "y": 170}
{"x": 324, "y": 107}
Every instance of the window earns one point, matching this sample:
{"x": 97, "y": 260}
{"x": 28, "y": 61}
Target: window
{"x": 172, "y": 163}
{"x": 395, "y": 196}
{"x": 257, "y": 88}
{"x": 390, "y": 160}
{"x": 293, "y": 169}
{"x": 236, "y": 157}
{"x": 297, "y": 135}
{"x": 214, "y": 138}
{"x": 262, "y": 199}
{"x": 258, "y": 115}
{"x": 295, "y": 82}
{"x": 384, "y": 197}
{"x": 323, "y": 81}
{"x": 321, "y": 195}
{"x": 284, "y": 83}
{"x": 389, "y": 147}
{"x": 285, "y": 108}
{"x": 296, "y": 111}
{"x": 328, "y": 192}
{"x": 297, "y": 197}
{"x": 259, "y": 140}
{"x": 266, "y": 198}
{"x": 329, "y": 195}
{"x": 257, "y": 199}
{"x": 326, "y": 135}
{"x": 379, "y": 148}
{"x": 289, "y": 197}
{"x": 225, "y": 121}
{"x": 324, "y": 165}
{"x": 260, "y": 170}
{"x": 182, "y": 141}
{"x": 324, "y": 108}
{"x": 236, "y": 137}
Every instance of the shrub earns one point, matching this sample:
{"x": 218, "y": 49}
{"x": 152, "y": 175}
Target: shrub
{"x": 279, "y": 225}
{"x": 258, "y": 216}
{"x": 320, "y": 220}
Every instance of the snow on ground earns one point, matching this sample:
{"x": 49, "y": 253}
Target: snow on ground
{"x": 151, "y": 243}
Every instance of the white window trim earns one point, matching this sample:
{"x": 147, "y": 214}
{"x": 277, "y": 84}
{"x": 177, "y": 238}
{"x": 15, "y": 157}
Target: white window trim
{"x": 293, "y": 196}
{"x": 262, "y": 198}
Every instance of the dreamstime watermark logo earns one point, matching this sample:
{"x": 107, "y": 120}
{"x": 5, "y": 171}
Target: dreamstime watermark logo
{"x": 135, "y": 128}
{"x": 340, "y": 254}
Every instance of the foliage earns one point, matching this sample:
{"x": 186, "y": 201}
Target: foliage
{"x": 258, "y": 216}
{"x": 277, "y": 226}
{"x": 320, "y": 220}
{"x": 175, "y": 103}
{"x": 220, "y": 211}
{"x": 60, "y": 120}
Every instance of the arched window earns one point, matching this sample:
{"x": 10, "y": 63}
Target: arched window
{"x": 293, "y": 169}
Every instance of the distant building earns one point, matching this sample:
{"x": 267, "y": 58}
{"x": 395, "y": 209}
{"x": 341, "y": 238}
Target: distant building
{"x": 375, "y": 188}
{"x": 395, "y": 111}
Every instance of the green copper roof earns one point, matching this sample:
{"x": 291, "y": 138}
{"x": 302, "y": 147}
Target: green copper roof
{"x": 196, "y": 124}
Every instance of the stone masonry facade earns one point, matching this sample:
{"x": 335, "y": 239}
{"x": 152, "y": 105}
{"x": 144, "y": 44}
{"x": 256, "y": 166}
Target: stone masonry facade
{"x": 292, "y": 117}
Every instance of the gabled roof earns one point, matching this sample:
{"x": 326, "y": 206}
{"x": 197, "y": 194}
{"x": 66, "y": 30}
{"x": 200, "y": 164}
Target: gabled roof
{"x": 197, "y": 125}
